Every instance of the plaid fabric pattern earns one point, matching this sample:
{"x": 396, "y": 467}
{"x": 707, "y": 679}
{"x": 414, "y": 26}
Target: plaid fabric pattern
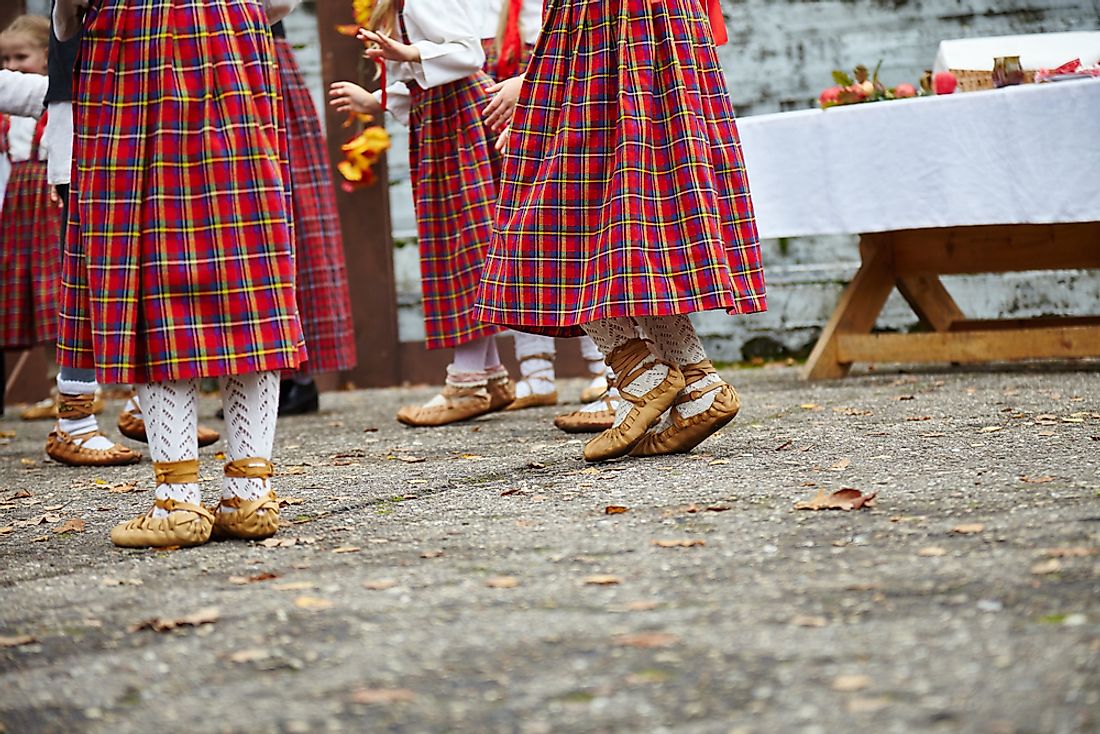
{"x": 30, "y": 259}
{"x": 489, "y": 45}
{"x": 454, "y": 169}
{"x": 324, "y": 303}
{"x": 180, "y": 260}
{"x": 624, "y": 192}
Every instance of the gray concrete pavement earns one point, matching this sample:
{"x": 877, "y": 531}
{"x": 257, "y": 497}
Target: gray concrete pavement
{"x": 443, "y": 580}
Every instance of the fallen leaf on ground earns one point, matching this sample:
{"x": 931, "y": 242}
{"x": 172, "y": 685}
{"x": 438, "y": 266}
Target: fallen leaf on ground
{"x": 641, "y": 606}
{"x": 294, "y": 586}
{"x": 250, "y": 655}
{"x": 6, "y": 529}
{"x": 28, "y": 462}
{"x": 918, "y": 418}
{"x": 810, "y": 406}
{"x": 287, "y": 501}
{"x": 843, "y": 499}
{"x": 969, "y": 528}
{"x": 470, "y": 457}
{"x": 47, "y": 519}
{"x": 411, "y": 459}
{"x": 805, "y": 620}
{"x": 380, "y": 584}
{"x": 40, "y": 539}
{"x": 20, "y": 495}
{"x": 16, "y": 641}
{"x": 75, "y": 525}
{"x": 615, "y": 510}
{"x": 848, "y": 683}
{"x": 646, "y": 640}
{"x": 602, "y": 580}
{"x": 510, "y": 492}
{"x": 719, "y": 462}
{"x": 7, "y": 434}
{"x": 852, "y": 411}
{"x": 841, "y": 465}
{"x": 347, "y": 549}
{"x": 206, "y": 615}
{"x": 718, "y": 508}
{"x": 123, "y": 488}
{"x": 1071, "y": 552}
{"x": 253, "y": 579}
{"x": 1050, "y": 566}
{"x": 312, "y": 602}
{"x": 991, "y": 429}
{"x": 502, "y": 582}
{"x": 684, "y": 543}
{"x": 1036, "y": 480}
{"x": 371, "y": 696}
{"x": 931, "y": 552}
{"x": 279, "y": 542}
{"x": 431, "y": 554}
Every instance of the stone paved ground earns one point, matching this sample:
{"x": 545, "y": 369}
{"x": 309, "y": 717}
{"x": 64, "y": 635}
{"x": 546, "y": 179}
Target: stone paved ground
{"x": 882, "y": 620}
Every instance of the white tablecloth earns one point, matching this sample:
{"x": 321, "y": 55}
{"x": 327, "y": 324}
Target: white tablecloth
{"x": 1018, "y": 155}
{"x": 1036, "y": 50}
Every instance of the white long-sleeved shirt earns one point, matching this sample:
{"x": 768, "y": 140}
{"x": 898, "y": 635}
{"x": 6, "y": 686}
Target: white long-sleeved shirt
{"x": 22, "y": 94}
{"x": 446, "y": 33}
{"x": 530, "y": 19}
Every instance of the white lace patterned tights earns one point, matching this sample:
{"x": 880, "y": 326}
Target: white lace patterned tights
{"x": 171, "y": 422}
{"x": 251, "y": 404}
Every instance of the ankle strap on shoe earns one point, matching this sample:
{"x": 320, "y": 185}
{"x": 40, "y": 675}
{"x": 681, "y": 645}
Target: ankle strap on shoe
{"x": 177, "y": 472}
{"x": 697, "y": 371}
{"x": 629, "y": 363}
{"x": 170, "y": 505}
{"x": 254, "y": 467}
{"x": 75, "y": 407}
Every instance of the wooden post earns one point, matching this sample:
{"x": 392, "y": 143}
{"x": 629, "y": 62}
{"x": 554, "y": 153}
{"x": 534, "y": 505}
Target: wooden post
{"x": 365, "y": 221}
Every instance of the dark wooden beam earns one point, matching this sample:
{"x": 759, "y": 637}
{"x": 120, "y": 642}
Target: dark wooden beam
{"x": 365, "y": 220}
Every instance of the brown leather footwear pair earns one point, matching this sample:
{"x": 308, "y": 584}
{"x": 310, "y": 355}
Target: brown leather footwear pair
{"x": 534, "y": 399}
{"x": 47, "y": 409}
{"x": 628, "y": 361}
{"x": 71, "y": 450}
{"x": 188, "y": 525}
{"x": 684, "y": 434}
{"x": 133, "y": 427}
{"x": 461, "y": 404}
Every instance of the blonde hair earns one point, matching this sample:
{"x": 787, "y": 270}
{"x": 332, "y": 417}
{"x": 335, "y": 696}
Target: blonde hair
{"x": 33, "y": 28}
{"x": 383, "y": 17}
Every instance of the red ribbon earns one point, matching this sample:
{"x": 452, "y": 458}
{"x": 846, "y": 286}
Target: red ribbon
{"x": 511, "y": 45}
{"x": 382, "y": 82}
{"x": 717, "y": 23}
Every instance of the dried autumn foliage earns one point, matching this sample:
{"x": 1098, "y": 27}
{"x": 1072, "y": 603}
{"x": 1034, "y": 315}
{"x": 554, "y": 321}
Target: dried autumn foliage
{"x": 602, "y": 580}
{"x": 683, "y": 543}
{"x": 206, "y": 615}
{"x": 75, "y": 525}
{"x": 502, "y": 582}
{"x": 646, "y": 640}
{"x": 615, "y": 510}
{"x": 843, "y": 499}
{"x": 382, "y": 695}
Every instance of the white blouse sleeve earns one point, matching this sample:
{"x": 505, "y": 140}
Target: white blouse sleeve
{"x": 398, "y": 102}
{"x": 279, "y": 9}
{"x": 22, "y": 95}
{"x": 448, "y": 40}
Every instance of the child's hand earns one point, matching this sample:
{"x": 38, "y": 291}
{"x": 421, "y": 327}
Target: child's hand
{"x": 502, "y": 139}
{"x": 348, "y": 97}
{"x": 55, "y": 199}
{"x": 387, "y": 48}
{"x": 498, "y": 115}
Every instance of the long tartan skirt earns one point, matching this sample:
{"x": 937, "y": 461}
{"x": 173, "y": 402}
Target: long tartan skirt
{"x": 324, "y": 303}
{"x": 454, "y": 169}
{"x": 30, "y": 259}
{"x": 624, "y": 192}
{"x": 180, "y": 260}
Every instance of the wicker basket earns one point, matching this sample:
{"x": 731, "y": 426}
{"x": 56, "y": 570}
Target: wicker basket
{"x": 971, "y": 80}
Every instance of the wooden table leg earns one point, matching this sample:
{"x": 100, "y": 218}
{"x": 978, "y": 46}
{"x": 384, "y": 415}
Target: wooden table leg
{"x": 858, "y": 308}
{"x": 930, "y": 301}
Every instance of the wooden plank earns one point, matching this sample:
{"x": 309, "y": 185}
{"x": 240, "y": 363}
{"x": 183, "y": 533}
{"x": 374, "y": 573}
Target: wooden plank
{"x": 930, "y": 301}
{"x": 972, "y": 346}
{"x": 10, "y": 10}
{"x": 859, "y": 307}
{"x": 1036, "y": 323}
{"x": 35, "y": 378}
{"x": 997, "y": 248}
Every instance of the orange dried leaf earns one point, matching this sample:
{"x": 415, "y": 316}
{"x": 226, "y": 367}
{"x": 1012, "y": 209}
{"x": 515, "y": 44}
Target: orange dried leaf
{"x": 969, "y": 528}
{"x": 206, "y": 615}
{"x": 843, "y": 499}
{"x": 382, "y": 696}
{"x": 615, "y": 510}
{"x": 646, "y": 640}
{"x": 502, "y": 582}
{"x": 75, "y": 525}
{"x": 602, "y": 580}
{"x": 380, "y": 584}
{"x": 685, "y": 543}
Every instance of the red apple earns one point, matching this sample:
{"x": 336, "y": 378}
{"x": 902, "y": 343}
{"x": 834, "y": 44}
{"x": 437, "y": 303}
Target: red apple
{"x": 944, "y": 82}
{"x": 905, "y": 90}
{"x": 829, "y": 96}
{"x": 856, "y": 89}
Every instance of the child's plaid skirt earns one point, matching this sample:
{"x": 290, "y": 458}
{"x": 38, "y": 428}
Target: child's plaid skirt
{"x": 30, "y": 259}
{"x": 322, "y": 283}
{"x": 180, "y": 262}
{"x": 454, "y": 170}
{"x": 624, "y": 192}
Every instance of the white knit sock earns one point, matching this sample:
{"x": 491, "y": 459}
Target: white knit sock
{"x": 85, "y": 425}
{"x": 598, "y": 406}
{"x": 535, "y": 354}
{"x": 171, "y": 423}
{"x": 471, "y": 356}
{"x": 676, "y": 340}
{"x": 609, "y": 334}
{"x": 133, "y": 405}
{"x": 251, "y": 404}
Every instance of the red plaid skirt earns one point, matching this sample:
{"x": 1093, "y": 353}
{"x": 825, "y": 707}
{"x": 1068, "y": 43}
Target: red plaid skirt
{"x": 489, "y": 45}
{"x": 454, "y": 170}
{"x": 624, "y": 192}
{"x": 180, "y": 262}
{"x": 322, "y": 284}
{"x": 30, "y": 259}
